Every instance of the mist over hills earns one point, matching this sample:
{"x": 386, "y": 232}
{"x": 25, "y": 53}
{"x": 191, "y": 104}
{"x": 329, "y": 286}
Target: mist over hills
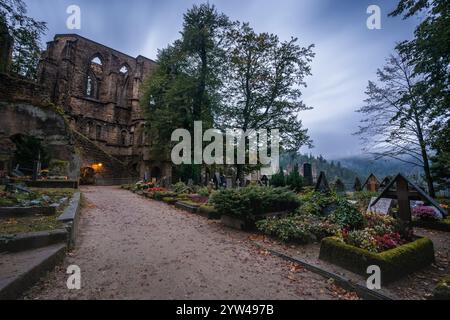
{"x": 348, "y": 168}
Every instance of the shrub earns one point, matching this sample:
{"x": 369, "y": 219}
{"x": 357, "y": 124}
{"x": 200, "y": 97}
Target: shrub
{"x": 346, "y": 215}
{"x": 287, "y": 229}
{"x": 180, "y": 188}
{"x": 250, "y": 202}
{"x": 313, "y": 202}
{"x": 301, "y": 229}
{"x": 363, "y": 198}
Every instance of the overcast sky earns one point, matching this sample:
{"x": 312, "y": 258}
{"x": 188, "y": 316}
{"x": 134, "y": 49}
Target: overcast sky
{"x": 347, "y": 52}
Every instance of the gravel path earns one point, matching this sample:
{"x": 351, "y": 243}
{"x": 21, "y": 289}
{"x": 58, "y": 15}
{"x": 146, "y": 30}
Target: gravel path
{"x": 134, "y": 248}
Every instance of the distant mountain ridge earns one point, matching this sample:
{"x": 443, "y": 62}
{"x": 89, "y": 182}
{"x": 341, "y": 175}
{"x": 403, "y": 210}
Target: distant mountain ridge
{"x": 347, "y": 169}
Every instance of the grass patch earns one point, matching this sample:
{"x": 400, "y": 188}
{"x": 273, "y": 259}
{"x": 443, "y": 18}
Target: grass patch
{"x": 29, "y": 224}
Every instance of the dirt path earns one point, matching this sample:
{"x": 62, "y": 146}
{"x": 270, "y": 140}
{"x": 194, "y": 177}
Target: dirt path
{"x": 135, "y": 248}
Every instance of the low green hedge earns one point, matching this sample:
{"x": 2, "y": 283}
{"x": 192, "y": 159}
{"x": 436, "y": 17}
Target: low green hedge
{"x": 440, "y": 225}
{"x": 250, "y": 202}
{"x": 394, "y": 263}
{"x": 442, "y": 291}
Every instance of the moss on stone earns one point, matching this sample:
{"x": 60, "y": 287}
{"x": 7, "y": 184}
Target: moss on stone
{"x": 394, "y": 263}
{"x": 442, "y": 291}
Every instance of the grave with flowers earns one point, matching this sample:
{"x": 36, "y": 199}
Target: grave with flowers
{"x": 385, "y": 241}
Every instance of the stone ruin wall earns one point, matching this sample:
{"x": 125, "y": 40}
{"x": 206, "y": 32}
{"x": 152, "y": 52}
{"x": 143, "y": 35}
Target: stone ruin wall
{"x": 111, "y": 116}
{"x": 25, "y": 110}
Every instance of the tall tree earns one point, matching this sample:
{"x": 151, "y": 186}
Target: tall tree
{"x": 184, "y": 87}
{"x": 26, "y": 33}
{"x": 429, "y": 52}
{"x": 397, "y": 122}
{"x": 263, "y": 86}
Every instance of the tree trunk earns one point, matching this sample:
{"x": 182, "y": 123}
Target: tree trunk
{"x": 426, "y": 163}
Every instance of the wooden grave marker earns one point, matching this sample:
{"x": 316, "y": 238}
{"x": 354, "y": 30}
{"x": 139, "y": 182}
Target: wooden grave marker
{"x": 405, "y": 191}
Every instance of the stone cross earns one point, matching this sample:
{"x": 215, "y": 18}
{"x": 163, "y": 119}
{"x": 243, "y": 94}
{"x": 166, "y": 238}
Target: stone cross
{"x": 308, "y": 174}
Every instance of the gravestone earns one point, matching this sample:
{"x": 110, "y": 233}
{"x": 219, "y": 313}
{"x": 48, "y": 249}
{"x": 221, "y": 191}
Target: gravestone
{"x": 216, "y": 180}
{"x": 372, "y": 184}
{"x": 404, "y": 191}
{"x": 308, "y": 174}
{"x": 322, "y": 184}
{"x": 265, "y": 180}
{"x": 229, "y": 182}
{"x": 383, "y": 206}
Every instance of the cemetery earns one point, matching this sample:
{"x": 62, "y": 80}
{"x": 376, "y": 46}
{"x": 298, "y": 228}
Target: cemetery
{"x": 351, "y": 230}
{"x": 112, "y": 163}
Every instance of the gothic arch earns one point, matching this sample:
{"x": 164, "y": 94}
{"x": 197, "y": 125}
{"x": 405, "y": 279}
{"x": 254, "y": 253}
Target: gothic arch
{"x": 94, "y": 75}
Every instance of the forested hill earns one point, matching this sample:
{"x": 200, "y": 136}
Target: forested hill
{"x": 381, "y": 168}
{"x": 347, "y": 169}
{"x": 332, "y": 169}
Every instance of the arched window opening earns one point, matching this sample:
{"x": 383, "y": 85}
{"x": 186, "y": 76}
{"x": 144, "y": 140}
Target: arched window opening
{"x": 98, "y": 132}
{"x": 93, "y": 78}
{"x": 123, "y": 138}
{"x": 124, "y": 70}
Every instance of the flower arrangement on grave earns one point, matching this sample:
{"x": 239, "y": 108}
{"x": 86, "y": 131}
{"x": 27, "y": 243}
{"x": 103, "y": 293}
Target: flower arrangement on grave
{"x": 370, "y": 231}
{"x": 425, "y": 213}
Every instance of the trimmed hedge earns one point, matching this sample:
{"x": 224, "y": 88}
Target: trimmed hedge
{"x": 442, "y": 291}
{"x": 394, "y": 263}
{"x": 440, "y": 225}
{"x": 250, "y": 202}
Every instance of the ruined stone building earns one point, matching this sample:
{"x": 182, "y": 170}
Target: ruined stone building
{"x": 100, "y": 89}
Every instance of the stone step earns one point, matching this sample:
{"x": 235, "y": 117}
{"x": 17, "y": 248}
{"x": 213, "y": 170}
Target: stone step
{"x": 20, "y": 271}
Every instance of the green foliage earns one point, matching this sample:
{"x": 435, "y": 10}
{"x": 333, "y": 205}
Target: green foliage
{"x": 263, "y": 84}
{"x": 184, "y": 88}
{"x": 300, "y": 229}
{"x": 180, "y": 188}
{"x": 278, "y": 179}
{"x": 287, "y": 229}
{"x": 363, "y": 198}
{"x": 209, "y": 211}
{"x": 26, "y": 33}
{"x": 333, "y": 169}
{"x": 28, "y": 150}
{"x": 314, "y": 203}
{"x": 250, "y": 202}
{"x": 346, "y": 215}
{"x": 294, "y": 180}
